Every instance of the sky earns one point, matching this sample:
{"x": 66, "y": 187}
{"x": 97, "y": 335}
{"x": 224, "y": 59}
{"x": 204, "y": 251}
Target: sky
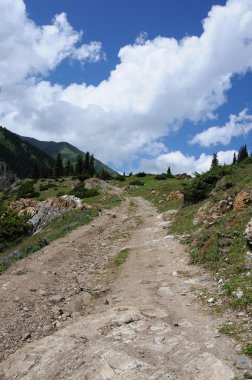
{"x": 141, "y": 84}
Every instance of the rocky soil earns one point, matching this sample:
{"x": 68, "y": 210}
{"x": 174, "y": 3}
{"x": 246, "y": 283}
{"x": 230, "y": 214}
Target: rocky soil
{"x": 68, "y": 313}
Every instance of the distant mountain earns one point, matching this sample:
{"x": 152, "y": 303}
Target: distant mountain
{"x": 67, "y": 151}
{"x": 21, "y": 158}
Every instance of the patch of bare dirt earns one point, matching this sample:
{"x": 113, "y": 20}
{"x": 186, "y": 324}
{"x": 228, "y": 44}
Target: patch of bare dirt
{"x": 101, "y": 323}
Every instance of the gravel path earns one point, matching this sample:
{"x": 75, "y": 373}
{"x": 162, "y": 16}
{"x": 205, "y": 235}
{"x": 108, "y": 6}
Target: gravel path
{"x": 87, "y": 320}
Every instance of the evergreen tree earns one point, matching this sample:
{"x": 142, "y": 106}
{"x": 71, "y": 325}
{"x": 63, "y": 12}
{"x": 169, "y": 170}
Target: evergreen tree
{"x": 169, "y": 171}
{"x": 91, "y": 166}
{"x": 86, "y": 164}
{"x": 215, "y": 162}
{"x": 234, "y": 159}
{"x": 243, "y": 154}
{"x": 68, "y": 169}
{"x": 79, "y": 165}
{"x": 50, "y": 172}
{"x": 71, "y": 170}
{"x": 35, "y": 172}
{"x": 58, "y": 169}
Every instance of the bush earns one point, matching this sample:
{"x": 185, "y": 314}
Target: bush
{"x": 136, "y": 182}
{"x": 161, "y": 177}
{"x": 81, "y": 178}
{"x": 120, "y": 178}
{"x": 140, "y": 174}
{"x": 43, "y": 187}
{"x": 60, "y": 194}
{"x": 26, "y": 190}
{"x": 35, "y": 194}
{"x": 200, "y": 187}
{"x": 105, "y": 175}
{"x": 12, "y": 227}
{"x": 81, "y": 192}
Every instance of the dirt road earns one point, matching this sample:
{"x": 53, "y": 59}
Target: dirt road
{"x": 70, "y": 314}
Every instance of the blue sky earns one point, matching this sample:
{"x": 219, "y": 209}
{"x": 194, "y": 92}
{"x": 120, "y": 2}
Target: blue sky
{"x": 118, "y": 23}
{"x": 141, "y": 88}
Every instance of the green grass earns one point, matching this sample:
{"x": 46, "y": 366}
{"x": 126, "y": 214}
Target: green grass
{"x": 231, "y": 329}
{"x": 248, "y": 349}
{"x": 121, "y": 257}
{"x": 161, "y": 188}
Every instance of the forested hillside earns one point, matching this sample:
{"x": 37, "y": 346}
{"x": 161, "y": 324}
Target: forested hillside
{"x": 67, "y": 151}
{"x": 22, "y": 158}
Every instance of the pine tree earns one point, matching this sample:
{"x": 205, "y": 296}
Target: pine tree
{"x": 243, "y": 154}
{"x": 58, "y": 169}
{"x": 234, "y": 159}
{"x": 79, "y": 165}
{"x": 35, "y": 172}
{"x": 68, "y": 169}
{"x": 86, "y": 164}
{"x": 169, "y": 171}
{"x": 91, "y": 166}
{"x": 215, "y": 162}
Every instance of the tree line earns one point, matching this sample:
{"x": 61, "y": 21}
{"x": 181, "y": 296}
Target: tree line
{"x": 83, "y": 167}
{"x": 237, "y": 158}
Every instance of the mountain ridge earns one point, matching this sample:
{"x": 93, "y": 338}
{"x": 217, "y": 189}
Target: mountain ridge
{"x": 19, "y": 157}
{"x": 67, "y": 151}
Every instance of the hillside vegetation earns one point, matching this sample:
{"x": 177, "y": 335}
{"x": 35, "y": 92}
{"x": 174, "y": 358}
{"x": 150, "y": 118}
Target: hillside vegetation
{"x": 68, "y": 152}
{"x": 20, "y": 157}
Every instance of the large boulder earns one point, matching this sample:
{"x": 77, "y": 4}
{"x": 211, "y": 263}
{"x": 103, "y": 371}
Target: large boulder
{"x": 75, "y": 182}
{"x": 182, "y": 176}
{"x": 52, "y": 208}
{"x": 243, "y": 199}
{"x": 92, "y": 183}
{"x": 22, "y": 206}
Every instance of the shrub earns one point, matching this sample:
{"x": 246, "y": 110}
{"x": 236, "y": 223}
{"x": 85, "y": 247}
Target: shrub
{"x": 43, "y": 187}
{"x": 161, "y": 177}
{"x": 81, "y": 192}
{"x": 120, "y": 178}
{"x": 26, "y": 190}
{"x": 200, "y": 187}
{"x": 12, "y": 227}
{"x": 136, "y": 182}
{"x": 60, "y": 194}
{"x": 35, "y": 194}
{"x": 81, "y": 178}
{"x": 105, "y": 175}
{"x": 140, "y": 174}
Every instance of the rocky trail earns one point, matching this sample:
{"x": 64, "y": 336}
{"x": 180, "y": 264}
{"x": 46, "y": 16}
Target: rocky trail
{"x": 68, "y": 313}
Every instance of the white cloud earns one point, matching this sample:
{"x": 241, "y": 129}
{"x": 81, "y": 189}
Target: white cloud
{"x": 156, "y": 86}
{"x": 237, "y": 125}
{"x": 141, "y": 38}
{"x": 89, "y": 52}
{"x": 27, "y": 49}
{"x": 180, "y": 163}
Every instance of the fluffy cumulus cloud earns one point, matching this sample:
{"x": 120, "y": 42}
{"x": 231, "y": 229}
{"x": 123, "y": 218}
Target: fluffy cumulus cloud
{"x": 179, "y": 162}
{"x": 237, "y": 125}
{"x": 27, "y": 50}
{"x": 157, "y": 85}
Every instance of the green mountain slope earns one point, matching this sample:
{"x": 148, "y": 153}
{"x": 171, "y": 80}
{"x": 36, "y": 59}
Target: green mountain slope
{"x": 20, "y": 157}
{"x": 67, "y": 151}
